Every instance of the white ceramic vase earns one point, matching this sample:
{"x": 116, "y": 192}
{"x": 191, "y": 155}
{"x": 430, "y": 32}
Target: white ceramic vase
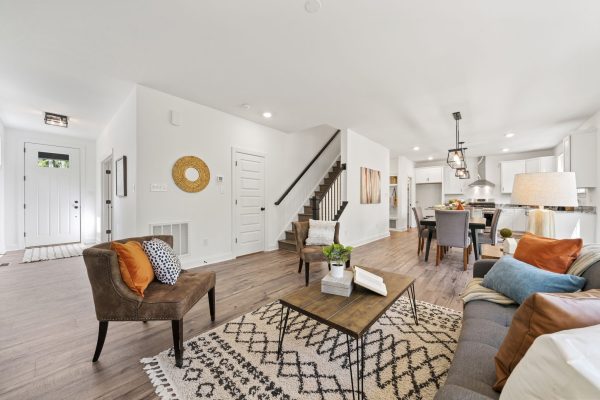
{"x": 337, "y": 269}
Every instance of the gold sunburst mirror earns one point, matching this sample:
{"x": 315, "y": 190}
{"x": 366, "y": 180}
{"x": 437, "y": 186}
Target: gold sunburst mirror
{"x": 191, "y": 174}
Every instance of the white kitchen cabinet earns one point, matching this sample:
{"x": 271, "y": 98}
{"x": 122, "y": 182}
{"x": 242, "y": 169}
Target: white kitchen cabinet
{"x": 452, "y": 184}
{"x": 540, "y": 164}
{"x": 583, "y": 158}
{"x": 567, "y": 154}
{"x": 428, "y": 175}
{"x": 508, "y": 170}
{"x": 575, "y": 225}
{"x": 519, "y": 220}
{"x": 506, "y": 219}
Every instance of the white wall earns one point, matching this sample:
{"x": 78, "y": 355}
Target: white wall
{"x": 14, "y": 169}
{"x": 210, "y": 135}
{"x": 363, "y": 223}
{"x": 119, "y": 139}
{"x": 2, "y": 190}
{"x": 405, "y": 169}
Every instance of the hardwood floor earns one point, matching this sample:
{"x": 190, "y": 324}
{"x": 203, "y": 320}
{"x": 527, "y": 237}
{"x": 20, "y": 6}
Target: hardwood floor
{"x": 48, "y": 326}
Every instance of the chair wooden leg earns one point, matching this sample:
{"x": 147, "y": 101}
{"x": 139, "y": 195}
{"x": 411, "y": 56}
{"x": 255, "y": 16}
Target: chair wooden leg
{"x": 177, "y": 326}
{"x": 348, "y": 264}
{"x": 419, "y": 245}
{"x": 465, "y": 258}
{"x": 211, "y": 303}
{"x": 438, "y": 251}
{"x": 102, "y": 329}
{"x": 306, "y": 272}
{"x": 300, "y": 265}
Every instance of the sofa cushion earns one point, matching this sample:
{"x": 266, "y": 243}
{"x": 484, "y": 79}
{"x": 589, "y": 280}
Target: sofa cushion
{"x": 473, "y": 368}
{"x": 518, "y": 280}
{"x": 549, "y": 254}
{"x": 173, "y": 301}
{"x": 540, "y": 314}
{"x": 481, "y": 309}
{"x": 483, "y": 331}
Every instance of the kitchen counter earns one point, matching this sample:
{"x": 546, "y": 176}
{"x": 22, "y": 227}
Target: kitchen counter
{"x": 581, "y": 209}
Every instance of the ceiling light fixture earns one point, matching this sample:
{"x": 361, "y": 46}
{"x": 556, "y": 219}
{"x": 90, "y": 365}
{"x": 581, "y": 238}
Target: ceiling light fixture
{"x": 505, "y": 150}
{"x": 462, "y": 173}
{"x": 56, "y": 120}
{"x": 416, "y": 148}
{"x": 267, "y": 114}
{"x": 245, "y": 106}
{"x": 430, "y": 158}
{"x": 456, "y": 156}
{"x": 509, "y": 135}
{"x": 312, "y": 6}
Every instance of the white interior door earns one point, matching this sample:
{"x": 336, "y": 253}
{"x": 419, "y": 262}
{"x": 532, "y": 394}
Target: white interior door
{"x": 52, "y": 195}
{"x": 249, "y": 203}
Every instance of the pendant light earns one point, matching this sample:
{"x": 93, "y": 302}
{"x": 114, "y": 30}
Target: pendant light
{"x": 456, "y": 156}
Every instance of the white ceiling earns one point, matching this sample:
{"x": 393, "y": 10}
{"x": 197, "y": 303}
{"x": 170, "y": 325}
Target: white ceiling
{"x": 393, "y": 70}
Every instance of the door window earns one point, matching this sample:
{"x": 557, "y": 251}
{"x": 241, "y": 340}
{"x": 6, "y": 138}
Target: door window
{"x": 52, "y": 160}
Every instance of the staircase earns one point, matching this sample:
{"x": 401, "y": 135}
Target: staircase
{"x": 325, "y": 204}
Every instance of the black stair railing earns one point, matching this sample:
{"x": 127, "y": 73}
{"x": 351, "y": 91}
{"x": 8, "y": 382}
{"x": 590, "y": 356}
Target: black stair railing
{"x": 305, "y": 170}
{"x": 329, "y": 204}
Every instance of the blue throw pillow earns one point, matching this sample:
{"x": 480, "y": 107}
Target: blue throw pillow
{"x": 518, "y": 280}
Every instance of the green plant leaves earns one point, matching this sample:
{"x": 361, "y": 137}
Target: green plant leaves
{"x": 337, "y": 252}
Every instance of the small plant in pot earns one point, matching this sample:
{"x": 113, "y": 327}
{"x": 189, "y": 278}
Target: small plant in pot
{"x": 505, "y": 233}
{"x": 337, "y": 255}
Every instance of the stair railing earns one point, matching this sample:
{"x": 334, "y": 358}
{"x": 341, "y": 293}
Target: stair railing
{"x": 305, "y": 170}
{"x": 330, "y": 205}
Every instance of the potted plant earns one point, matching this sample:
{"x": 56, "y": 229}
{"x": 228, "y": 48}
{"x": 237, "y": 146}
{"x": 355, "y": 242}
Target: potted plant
{"x": 505, "y": 233}
{"x": 337, "y": 255}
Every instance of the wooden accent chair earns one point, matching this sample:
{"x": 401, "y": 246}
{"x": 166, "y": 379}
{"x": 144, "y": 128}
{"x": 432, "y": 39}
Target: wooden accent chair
{"x": 452, "y": 229}
{"x": 423, "y": 230}
{"x": 309, "y": 254}
{"x": 114, "y": 301}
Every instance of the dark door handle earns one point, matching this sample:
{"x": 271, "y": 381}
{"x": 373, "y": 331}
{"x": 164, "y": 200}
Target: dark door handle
{"x": 76, "y": 207}
{"x": 262, "y": 209}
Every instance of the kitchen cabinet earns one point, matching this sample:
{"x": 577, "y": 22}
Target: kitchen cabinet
{"x": 583, "y": 159}
{"x": 514, "y": 219}
{"x": 428, "y": 175}
{"x": 452, "y": 184}
{"x": 540, "y": 164}
{"x": 508, "y": 170}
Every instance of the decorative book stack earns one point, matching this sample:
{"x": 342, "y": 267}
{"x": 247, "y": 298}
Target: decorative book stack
{"x": 339, "y": 286}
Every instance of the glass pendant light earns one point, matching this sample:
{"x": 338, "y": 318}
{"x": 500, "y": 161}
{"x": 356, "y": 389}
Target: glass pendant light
{"x": 456, "y": 156}
{"x": 462, "y": 173}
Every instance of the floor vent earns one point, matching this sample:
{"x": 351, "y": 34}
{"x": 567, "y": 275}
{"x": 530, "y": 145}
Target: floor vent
{"x": 180, "y": 232}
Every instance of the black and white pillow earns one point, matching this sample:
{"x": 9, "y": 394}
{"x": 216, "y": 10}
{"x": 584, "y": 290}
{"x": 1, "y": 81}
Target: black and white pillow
{"x": 165, "y": 263}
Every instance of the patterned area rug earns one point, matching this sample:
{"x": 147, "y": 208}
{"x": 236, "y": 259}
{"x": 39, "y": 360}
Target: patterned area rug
{"x": 53, "y": 252}
{"x": 238, "y": 360}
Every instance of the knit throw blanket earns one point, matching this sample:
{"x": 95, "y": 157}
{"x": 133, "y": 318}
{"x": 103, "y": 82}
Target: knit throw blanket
{"x": 589, "y": 255}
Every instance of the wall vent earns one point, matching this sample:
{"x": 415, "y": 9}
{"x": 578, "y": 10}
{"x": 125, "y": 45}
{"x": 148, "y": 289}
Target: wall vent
{"x": 180, "y": 232}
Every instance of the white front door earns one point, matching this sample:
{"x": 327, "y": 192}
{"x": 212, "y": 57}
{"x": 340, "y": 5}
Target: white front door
{"x": 52, "y": 195}
{"x": 249, "y": 203}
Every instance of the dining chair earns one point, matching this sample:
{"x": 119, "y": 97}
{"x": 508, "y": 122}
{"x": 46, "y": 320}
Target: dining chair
{"x": 423, "y": 230}
{"x": 489, "y": 237}
{"x": 452, "y": 230}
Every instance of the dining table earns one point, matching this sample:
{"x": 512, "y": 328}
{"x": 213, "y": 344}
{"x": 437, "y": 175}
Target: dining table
{"x": 475, "y": 223}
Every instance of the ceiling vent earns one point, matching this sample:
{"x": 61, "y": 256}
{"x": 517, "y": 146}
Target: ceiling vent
{"x": 56, "y": 120}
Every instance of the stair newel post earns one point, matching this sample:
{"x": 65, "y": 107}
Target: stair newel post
{"x": 314, "y": 203}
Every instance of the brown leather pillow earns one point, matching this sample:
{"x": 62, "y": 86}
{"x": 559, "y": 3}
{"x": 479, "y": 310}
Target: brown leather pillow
{"x": 549, "y": 254}
{"x": 136, "y": 270}
{"x": 544, "y": 313}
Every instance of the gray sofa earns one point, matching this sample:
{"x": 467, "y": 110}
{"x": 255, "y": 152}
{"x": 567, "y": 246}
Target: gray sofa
{"x": 485, "y": 324}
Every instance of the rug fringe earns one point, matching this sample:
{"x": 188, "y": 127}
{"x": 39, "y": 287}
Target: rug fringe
{"x": 158, "y": 378}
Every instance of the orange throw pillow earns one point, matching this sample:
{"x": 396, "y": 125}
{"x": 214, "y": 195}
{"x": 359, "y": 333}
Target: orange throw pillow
{"x": 550, "y": 254}
{"x": 135, "y": 266}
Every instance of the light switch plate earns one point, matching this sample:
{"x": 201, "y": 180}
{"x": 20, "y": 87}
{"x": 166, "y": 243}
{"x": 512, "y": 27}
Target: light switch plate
{"x": 158, "y": 187}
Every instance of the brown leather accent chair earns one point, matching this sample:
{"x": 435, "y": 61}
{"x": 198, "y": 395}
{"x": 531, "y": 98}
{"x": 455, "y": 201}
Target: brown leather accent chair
{"x": 309, "y": 254}
{"x": 114, "y": 301}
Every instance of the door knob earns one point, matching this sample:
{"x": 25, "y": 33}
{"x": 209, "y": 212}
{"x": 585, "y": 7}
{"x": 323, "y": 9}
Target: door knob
{"x": 76, "y": 207}
{"x": 262, "y": 209}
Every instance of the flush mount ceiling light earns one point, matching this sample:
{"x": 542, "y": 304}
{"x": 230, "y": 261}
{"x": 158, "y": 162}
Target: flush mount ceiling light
{"x": 312, "y": 6}
{"x": 456, "y": 156}
{"x": 267, "y": 114}
{"x": 509, "y": 135}
{"x": 56, "y": 120}
{"x": 505, "y": 150}
{"x": 416, "y": 148}
{"x": 430, "y": 158}
{"x": 245, "y": 106}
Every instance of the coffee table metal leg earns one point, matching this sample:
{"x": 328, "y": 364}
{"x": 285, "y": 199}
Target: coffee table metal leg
{"x": 350, "y": 366}
{"x": 413, "y": 302}
{"x": 282, "y": 328}
{"x": 362, "y": 367}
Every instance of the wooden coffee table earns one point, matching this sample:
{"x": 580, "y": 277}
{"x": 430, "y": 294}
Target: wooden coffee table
{"x": 491, "y": 252}
{"x": 352, "y": 315}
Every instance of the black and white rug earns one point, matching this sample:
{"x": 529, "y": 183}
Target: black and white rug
{"x": 238, "y": 360}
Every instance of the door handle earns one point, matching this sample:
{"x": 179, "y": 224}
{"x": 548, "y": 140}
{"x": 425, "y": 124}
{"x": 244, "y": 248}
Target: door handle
{"x": 262, "y": 209}
{"x": 76, "y": 207}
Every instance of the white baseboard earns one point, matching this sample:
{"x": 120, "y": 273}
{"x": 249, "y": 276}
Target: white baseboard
{"x": 362, "y": 242}
{"x": 187, "y": 263}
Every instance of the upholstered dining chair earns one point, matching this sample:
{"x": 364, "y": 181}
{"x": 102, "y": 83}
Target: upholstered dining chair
{"x": 114, "y": 301}
{"x": 452, "y": 229}
{"x": 310, "y": 254}
{"x": 489, "y": 237}
{"x": 423, "y": 230}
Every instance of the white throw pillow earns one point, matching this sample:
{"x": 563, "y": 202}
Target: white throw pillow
{"x": 165, "y": 263}
{"x": 562, "y": 365}
{"x": 320, "y": 233}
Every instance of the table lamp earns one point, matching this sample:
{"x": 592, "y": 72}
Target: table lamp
{"x": 544, "y": 189}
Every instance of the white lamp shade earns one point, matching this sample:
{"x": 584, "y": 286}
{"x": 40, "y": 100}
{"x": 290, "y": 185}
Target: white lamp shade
{"x": 549, "y": 189}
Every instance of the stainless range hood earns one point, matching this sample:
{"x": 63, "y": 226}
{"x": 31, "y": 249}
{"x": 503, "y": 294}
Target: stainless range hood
{"x": 481, "y": 181}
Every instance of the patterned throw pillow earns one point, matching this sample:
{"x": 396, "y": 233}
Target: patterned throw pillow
{"x": 165, "y": 263}
{"x": 320, "y": 233}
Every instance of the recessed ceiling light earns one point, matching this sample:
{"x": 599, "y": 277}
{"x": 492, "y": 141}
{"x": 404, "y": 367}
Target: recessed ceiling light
{"x": 56, "y": 120}
{"x": 509, "y": 135}
{"x": 245, "y": 106}
{"x": 430, "y": 158}
{"x": 267, "y": 114}
{"x": 416, "y": 148}
{"x": 312, "y": 6}
{"x": 505, "y": 150}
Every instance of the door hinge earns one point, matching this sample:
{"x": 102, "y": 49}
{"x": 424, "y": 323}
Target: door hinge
{"x": 24, "y": 234}
{"x": 236, "y": 163}
{"x": 108, "y": 231}
{"x": 24, "y": 149}
{"x": 236, "y": 240}
{"x": 107, "y": 172}
{"x": 24, "y": 206}
{"x": 24, "y": 177}
{"x": 236, "y": 202}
